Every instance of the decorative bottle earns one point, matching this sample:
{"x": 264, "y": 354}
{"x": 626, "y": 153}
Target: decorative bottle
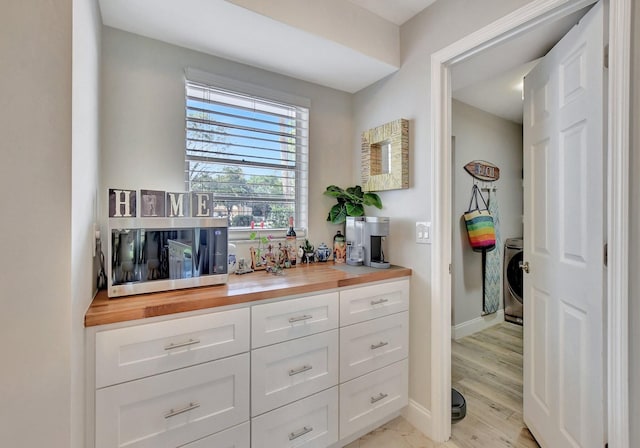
{"x": 291, "y": 242}
{"x": 339, "y": 248}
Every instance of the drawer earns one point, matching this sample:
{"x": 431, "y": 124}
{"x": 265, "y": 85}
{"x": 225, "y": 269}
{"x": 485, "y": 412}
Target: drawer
{"x": 135, "y": 352}
{"x": 290, "y": 319}
{"x": 311, "y": 422}
{"x": 291, "y": 370}
{"x": 376, "y": 343}
{"x": 236, "y": 437}
{"x": 369, "y": 302}
{"x": 372, "y": 397}
{"x": 174, "y": 408}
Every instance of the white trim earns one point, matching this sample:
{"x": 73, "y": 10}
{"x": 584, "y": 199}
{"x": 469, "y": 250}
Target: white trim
{"x": 441, "y": 250}
{"x": 511, "y": 25}
{"x": 195, "y": 75}
{"x": 618, "y": 223}
{"x": 478, "y": 324}
{"x": 418, "y": 416}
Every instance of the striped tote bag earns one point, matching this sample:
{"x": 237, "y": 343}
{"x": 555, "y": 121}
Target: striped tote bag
{"x": 479, "y": 222}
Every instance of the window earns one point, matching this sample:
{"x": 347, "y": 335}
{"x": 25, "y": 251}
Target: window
{"x": 251, "y": 152}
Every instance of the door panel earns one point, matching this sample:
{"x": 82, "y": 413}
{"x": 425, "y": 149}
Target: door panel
{"x": 539, "y": 179}
{"x": 539, "y": 382}
{"x": 564, "y": 170}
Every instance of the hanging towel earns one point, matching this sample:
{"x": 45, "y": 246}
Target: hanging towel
{"x": 493, "y": 263}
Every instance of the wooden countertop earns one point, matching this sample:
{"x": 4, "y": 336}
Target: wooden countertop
{"x": 239, "y": 289}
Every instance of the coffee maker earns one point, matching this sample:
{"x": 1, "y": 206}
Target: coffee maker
{"x": 366, "y": 238}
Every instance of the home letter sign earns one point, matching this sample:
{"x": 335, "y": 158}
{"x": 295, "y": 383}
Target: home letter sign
{"x": 122, "y": 203}
{"x": 177, "y": 207}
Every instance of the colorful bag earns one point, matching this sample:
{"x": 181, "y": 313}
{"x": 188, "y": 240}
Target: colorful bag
{"x": 480, "y": 229}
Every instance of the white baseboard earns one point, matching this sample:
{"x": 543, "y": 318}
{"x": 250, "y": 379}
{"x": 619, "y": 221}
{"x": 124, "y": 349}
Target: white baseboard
{"x": 477, "y": 324}
{"x": 419, "y": 417}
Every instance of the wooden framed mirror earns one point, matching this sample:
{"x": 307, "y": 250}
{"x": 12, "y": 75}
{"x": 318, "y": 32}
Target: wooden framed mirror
{"x": 385, "y": 156}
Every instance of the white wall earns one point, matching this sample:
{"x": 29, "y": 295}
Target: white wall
{"x": 143, "y": 120}
{"x": 87, "y": 27}
{"x": 481, "y": 136}
{"x": 405, "y": 94}
{"x": 634, "y": 262}
{"x": 35, "y": 180}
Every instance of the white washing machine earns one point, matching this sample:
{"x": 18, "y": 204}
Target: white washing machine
{"x": 512, "y": 278}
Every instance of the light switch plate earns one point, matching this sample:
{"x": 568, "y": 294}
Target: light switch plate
{"x": 423, "y": 232}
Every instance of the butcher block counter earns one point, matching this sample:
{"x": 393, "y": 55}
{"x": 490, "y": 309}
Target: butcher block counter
{"x": 244, "y": 288}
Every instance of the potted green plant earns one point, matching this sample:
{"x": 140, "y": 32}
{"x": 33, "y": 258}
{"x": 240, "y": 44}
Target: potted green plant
{"x": 351, "y": 202}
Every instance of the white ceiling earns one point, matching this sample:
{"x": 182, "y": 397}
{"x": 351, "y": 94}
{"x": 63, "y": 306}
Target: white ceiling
{"x": 238, "y": 33}
{"x": 499, "y": 95}
{"x": 248, "y": 32}
{"x": 487, "y": 81}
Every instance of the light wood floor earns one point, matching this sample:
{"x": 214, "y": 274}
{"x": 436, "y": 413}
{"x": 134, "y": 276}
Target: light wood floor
{"x": 486, "y": 368}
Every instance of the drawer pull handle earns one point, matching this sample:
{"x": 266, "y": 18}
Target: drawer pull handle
{"x": 378, "y": 345}
{"x": 299, "y": 370}
{"x": 173, "y": 412}
{"x": 380, "y": 396}
{"x": 379, "y": 301}
{"x": 182, "y": 344}
{"x": 300, "y": 433}
{"x": 299, "y": 318}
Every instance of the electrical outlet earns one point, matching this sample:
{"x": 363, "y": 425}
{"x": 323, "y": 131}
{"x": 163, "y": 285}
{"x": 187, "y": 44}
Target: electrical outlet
{"x": 423, "y": 232}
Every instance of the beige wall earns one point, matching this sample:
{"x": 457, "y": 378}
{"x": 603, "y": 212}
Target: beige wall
{"x": 143, "y": 120}
{"x": 87, "y": 27}
{"x": 35, "y": 180}
{"x": 480, "y": 135}
{"x": 405, "y": 94}
{"x": 634, "y": 262}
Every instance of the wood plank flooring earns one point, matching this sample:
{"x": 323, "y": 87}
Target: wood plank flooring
{"x": 486, "y": 368}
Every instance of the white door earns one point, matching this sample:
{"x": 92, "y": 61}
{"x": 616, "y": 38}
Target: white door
{"x": 563, "y": 240}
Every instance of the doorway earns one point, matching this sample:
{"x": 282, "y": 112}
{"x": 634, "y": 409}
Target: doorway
{"x": 487, "y": 350}
{"x": 487, "y": 117}
{"x": 511, "y": 26}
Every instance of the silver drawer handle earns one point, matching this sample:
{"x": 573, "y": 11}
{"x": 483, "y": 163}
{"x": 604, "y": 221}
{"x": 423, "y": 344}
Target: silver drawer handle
{"x": 182, "y": 344}
{"x": 299, "y": 370}
{"x": 294, "y": 435}
{"x": 380, "y": 396}
{"x": 379, "y": 301}
{"x": 299, "y": 318}
{"x": 191, "y": 406}
{"x": 378, "y": 345}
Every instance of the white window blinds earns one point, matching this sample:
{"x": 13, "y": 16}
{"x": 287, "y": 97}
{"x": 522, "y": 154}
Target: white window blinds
{"x": 251, "y": 152}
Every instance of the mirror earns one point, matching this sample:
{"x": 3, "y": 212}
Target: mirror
{"x": 385, "y": 157}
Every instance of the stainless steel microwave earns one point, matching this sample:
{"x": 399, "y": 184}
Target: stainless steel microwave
{"x": 159, "y": 254}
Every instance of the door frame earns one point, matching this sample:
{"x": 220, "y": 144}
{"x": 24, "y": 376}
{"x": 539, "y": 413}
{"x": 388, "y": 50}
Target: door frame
{"x": 616, "y": 300}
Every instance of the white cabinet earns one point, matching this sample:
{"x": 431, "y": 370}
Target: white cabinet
{"x": 370, "y": 345}
{"x": 308, "y": 371}
{"x": 374, "y": 347}
{"x": 291, "y": 370}
{"x": 369, "y": 398}
{"x": 310, "y": 422}
{"x": 236, "y": 437}
{"x": 288, "y": 319}
{"x": 174, "y": 382}
{"x": 174, "y": 408}
{"x": 129, "y": 353}
{"x": 368, "y": 302}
